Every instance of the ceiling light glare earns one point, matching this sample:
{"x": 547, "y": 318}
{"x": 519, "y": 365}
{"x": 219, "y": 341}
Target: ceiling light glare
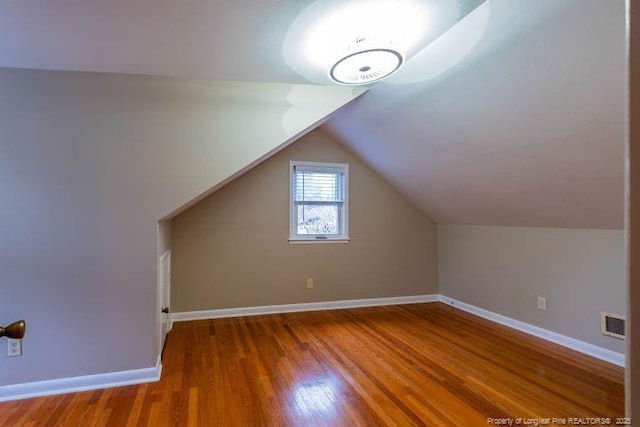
{"x": 366, "y": 63}
{"x": 320, "y": 35}
{"x": 403, "y": 21}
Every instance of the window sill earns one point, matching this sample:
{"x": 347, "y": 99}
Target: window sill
{"x": 318, "y": 241}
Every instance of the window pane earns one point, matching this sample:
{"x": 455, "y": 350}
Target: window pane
{"x": 318, "y": 186}
{"x": 318, "y": 219}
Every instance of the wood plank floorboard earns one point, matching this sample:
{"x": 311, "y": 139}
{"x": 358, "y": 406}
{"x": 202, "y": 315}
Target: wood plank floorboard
{"x": 406, "y": 365}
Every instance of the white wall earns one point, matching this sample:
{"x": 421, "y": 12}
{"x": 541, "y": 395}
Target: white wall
{"x": 505, "y": 269}
{"x": 88, "y": 164}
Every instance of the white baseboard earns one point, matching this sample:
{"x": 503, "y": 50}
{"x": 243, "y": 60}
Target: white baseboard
{"x": 82, "y": 383}
{"x": 292, "y": 308}
{"x": 137, "y": 376}
{"x": 565, "y": 341}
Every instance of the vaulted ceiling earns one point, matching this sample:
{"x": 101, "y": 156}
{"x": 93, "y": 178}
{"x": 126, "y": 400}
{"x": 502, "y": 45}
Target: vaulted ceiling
{"x": 527, "y": 129}
{"x": 515, "y": 116}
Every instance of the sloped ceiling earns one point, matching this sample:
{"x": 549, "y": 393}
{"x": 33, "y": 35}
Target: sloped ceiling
{"x": 523, "y": 125}
{"x": 527, "y": 130}
{"x": 219, "y": 40}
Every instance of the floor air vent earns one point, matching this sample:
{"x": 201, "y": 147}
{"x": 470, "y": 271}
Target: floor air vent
{"x": 612, "y": 324}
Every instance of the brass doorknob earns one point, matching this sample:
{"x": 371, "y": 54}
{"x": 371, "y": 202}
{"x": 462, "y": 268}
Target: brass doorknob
{"x": 15, "y": 330}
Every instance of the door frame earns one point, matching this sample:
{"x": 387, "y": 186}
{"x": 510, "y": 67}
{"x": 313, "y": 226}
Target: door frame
{"x": 164, "y": 297}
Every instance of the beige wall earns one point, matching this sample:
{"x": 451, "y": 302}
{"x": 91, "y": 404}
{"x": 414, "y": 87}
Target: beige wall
{"x": 231, "y": 249}
{"x": 505, "y": 269}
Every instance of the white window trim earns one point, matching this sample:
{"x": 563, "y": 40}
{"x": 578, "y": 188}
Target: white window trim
{"x": 296, "y": 239}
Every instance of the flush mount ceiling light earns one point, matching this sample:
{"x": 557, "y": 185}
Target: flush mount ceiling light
{"x": 316, "y": 48}
{"x": 366, "y": 63}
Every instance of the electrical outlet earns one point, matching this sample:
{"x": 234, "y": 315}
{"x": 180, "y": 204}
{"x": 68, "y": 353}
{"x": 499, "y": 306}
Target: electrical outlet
{"x": 542, "y": 303}
{"x": 310, "y": 283}
{"x": 15, "y": 347}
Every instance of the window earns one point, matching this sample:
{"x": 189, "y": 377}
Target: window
{"x": 319, "y": 202}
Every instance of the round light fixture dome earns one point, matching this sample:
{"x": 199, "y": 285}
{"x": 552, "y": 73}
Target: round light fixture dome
{"x": 366, "y": 66}
{"x": 366, "y": 60}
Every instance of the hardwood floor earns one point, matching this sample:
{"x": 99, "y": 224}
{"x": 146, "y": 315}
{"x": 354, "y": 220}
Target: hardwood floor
{"x": 419, "y": 364}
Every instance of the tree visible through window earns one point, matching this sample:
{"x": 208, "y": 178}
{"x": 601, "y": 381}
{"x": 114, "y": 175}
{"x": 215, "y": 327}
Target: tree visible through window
{"x": 318, "y": 201}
